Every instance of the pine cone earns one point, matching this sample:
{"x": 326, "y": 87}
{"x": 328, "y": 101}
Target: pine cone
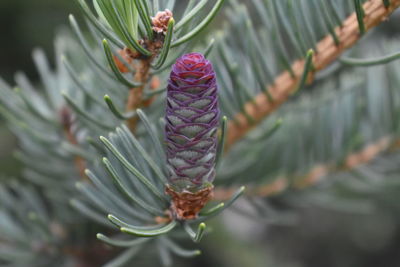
{"x": 192, "y": 119}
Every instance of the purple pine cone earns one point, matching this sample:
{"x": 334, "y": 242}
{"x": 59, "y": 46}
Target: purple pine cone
{"x": 192, "y": 119}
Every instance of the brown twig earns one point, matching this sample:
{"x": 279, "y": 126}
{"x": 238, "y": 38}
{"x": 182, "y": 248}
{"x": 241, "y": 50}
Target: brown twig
{"x": 136, "y": 94}
{"x": 66, "y": 121}
{"x": 142, "y": 66}
{"x": 327, "y": 52}
{"x": 142, "y": 75}
{"x": 352, "y": 161}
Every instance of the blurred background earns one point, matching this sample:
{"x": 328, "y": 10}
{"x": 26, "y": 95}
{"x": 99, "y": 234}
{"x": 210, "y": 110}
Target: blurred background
{"x": 318, "y": 236}
{"x": 25, "y": 25}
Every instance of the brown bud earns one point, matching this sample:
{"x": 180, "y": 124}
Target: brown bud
{"x": 160, "y": 21}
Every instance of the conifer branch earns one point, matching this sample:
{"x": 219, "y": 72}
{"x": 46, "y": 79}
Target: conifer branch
{"x": 351, "y": 161}
{"x": 326, "y": 53}
{"x": 142, "y": 75}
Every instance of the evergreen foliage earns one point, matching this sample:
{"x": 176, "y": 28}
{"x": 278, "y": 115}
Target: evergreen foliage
{"x": 91, "y": 134}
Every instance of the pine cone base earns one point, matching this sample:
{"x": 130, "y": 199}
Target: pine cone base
{"x": 186, "y": 205}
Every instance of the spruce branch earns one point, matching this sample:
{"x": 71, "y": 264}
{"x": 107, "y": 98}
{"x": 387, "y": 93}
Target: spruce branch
{"x": 318, "y": 172}
{"x": 129, "y": 183}
{"x": 375, "y": 12}
{"x": 357, "y": 147}
{"x": 352, "y": 161}
{"x": 140, "y": 49}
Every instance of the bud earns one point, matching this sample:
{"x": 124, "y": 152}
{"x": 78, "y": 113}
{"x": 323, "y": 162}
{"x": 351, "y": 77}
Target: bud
{"x": 160, "y": 21}
{"x": 192, "y": 118}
